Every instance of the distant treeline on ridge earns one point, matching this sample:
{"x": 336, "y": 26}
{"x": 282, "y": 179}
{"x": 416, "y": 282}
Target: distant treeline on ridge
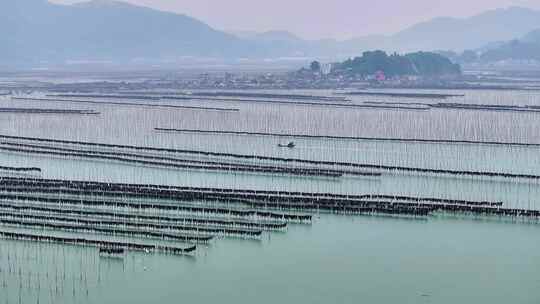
{"x": 419, "y": 63}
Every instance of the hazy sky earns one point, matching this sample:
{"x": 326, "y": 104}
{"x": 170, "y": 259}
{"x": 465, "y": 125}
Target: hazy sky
{"x": 323, "y": 18}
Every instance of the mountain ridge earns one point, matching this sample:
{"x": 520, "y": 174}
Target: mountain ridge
{"x": 108, "y": 30}
{"x": 37, "y": 32}
{"x": 440, "y": 33}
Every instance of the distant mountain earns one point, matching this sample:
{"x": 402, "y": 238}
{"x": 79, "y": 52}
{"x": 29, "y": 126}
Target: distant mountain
{"x": 532, "y": 37}
{"x": 442, "y": 33}
{"x": 466, "y": 33}
{"x": 515, "y": 50}
{"x": 271, "y": 36}
{"x": 280, "y": 43}
{"x": 524, "y": 49}
{"x": 244, "y": 34}
{"x": 36, "y": 31}
{"x": 286, "y": 44}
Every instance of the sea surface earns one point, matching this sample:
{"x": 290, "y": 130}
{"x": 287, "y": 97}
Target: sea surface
{"x": 443, "y": 258}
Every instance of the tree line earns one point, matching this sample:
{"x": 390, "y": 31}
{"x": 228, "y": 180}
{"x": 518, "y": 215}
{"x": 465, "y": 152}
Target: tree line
{"x": 419, "y": 64}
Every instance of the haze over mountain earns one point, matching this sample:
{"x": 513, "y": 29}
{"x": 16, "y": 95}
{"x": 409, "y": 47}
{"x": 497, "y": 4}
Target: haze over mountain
{"x": 523, "y": 52}
{"x": 468, "y": 33}
{"x": 39, "y": 33}
{"x": 533, "y": 36}
{"x": 447, "y": 33}
{"x": 524, "y": 49}
{"x": 315, "y": 20}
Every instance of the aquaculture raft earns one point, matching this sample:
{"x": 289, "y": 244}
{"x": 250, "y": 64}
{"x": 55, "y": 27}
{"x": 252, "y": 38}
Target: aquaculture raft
{"x": 96, "y": 243}
{"x": 258, "y": 201}
{"x": 316, "y": 167}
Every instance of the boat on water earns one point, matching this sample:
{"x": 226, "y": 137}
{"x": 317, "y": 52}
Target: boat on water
{"x": 112, "y": 252}
{"x": 290, "y": 145}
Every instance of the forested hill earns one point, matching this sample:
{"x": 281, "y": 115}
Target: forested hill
{"x": 37, "y": 32}
{"x": 419, "y": 63}
{"x": 527, "y": 48}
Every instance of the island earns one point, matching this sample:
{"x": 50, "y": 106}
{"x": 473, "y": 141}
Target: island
{"x": 378, "y": 65}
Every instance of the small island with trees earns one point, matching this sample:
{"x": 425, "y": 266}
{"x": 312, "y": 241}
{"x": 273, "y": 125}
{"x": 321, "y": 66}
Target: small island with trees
{"x": 378, "y": 66}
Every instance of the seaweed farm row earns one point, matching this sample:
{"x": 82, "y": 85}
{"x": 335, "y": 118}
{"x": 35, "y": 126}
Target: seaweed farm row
{"x": 199, "y": 222}
{"x": 256, "y": 200}
{"x": 47, "y": 111}
{"x": 300, "y": 103}
{"x": 459, "y": 106}
{"x": 95, "y": 243}
{"x": 404, "y": 95}
{"x": 268, "y": 95}
{"x": 182, "y": 209}
{"x": 320, "y": 100}
{"x": 115, "y": 223}
{"x": 117, "y": 231}
{"x": 152, "y": 189}
{"x": 341, "y": 104}
{"x": 149, "y": 95}
{"x": 270, "y": 165}
{"x": 215, "y": 99}
{"x": 486, "y": 107}
{"x": 323, "y": 101}
{"x": 176, "y": 163}
{"x": 71, "y": 223}
{"x": 354, "y": 138}
{"x": 149, "y": 105}
{"x": 20, "y": 169}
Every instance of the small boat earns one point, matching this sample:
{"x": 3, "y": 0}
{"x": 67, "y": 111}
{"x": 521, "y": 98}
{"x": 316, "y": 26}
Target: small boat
{"x": 112, "y": 252}
{"x": 290, "y": 145}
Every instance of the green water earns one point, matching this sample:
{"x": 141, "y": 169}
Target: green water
{"x": 338, "y": 259}
{"x": 346, "y": 260}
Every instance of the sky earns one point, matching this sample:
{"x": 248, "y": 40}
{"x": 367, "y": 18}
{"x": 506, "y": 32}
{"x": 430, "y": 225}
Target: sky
{"x": 316, "y": 19}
